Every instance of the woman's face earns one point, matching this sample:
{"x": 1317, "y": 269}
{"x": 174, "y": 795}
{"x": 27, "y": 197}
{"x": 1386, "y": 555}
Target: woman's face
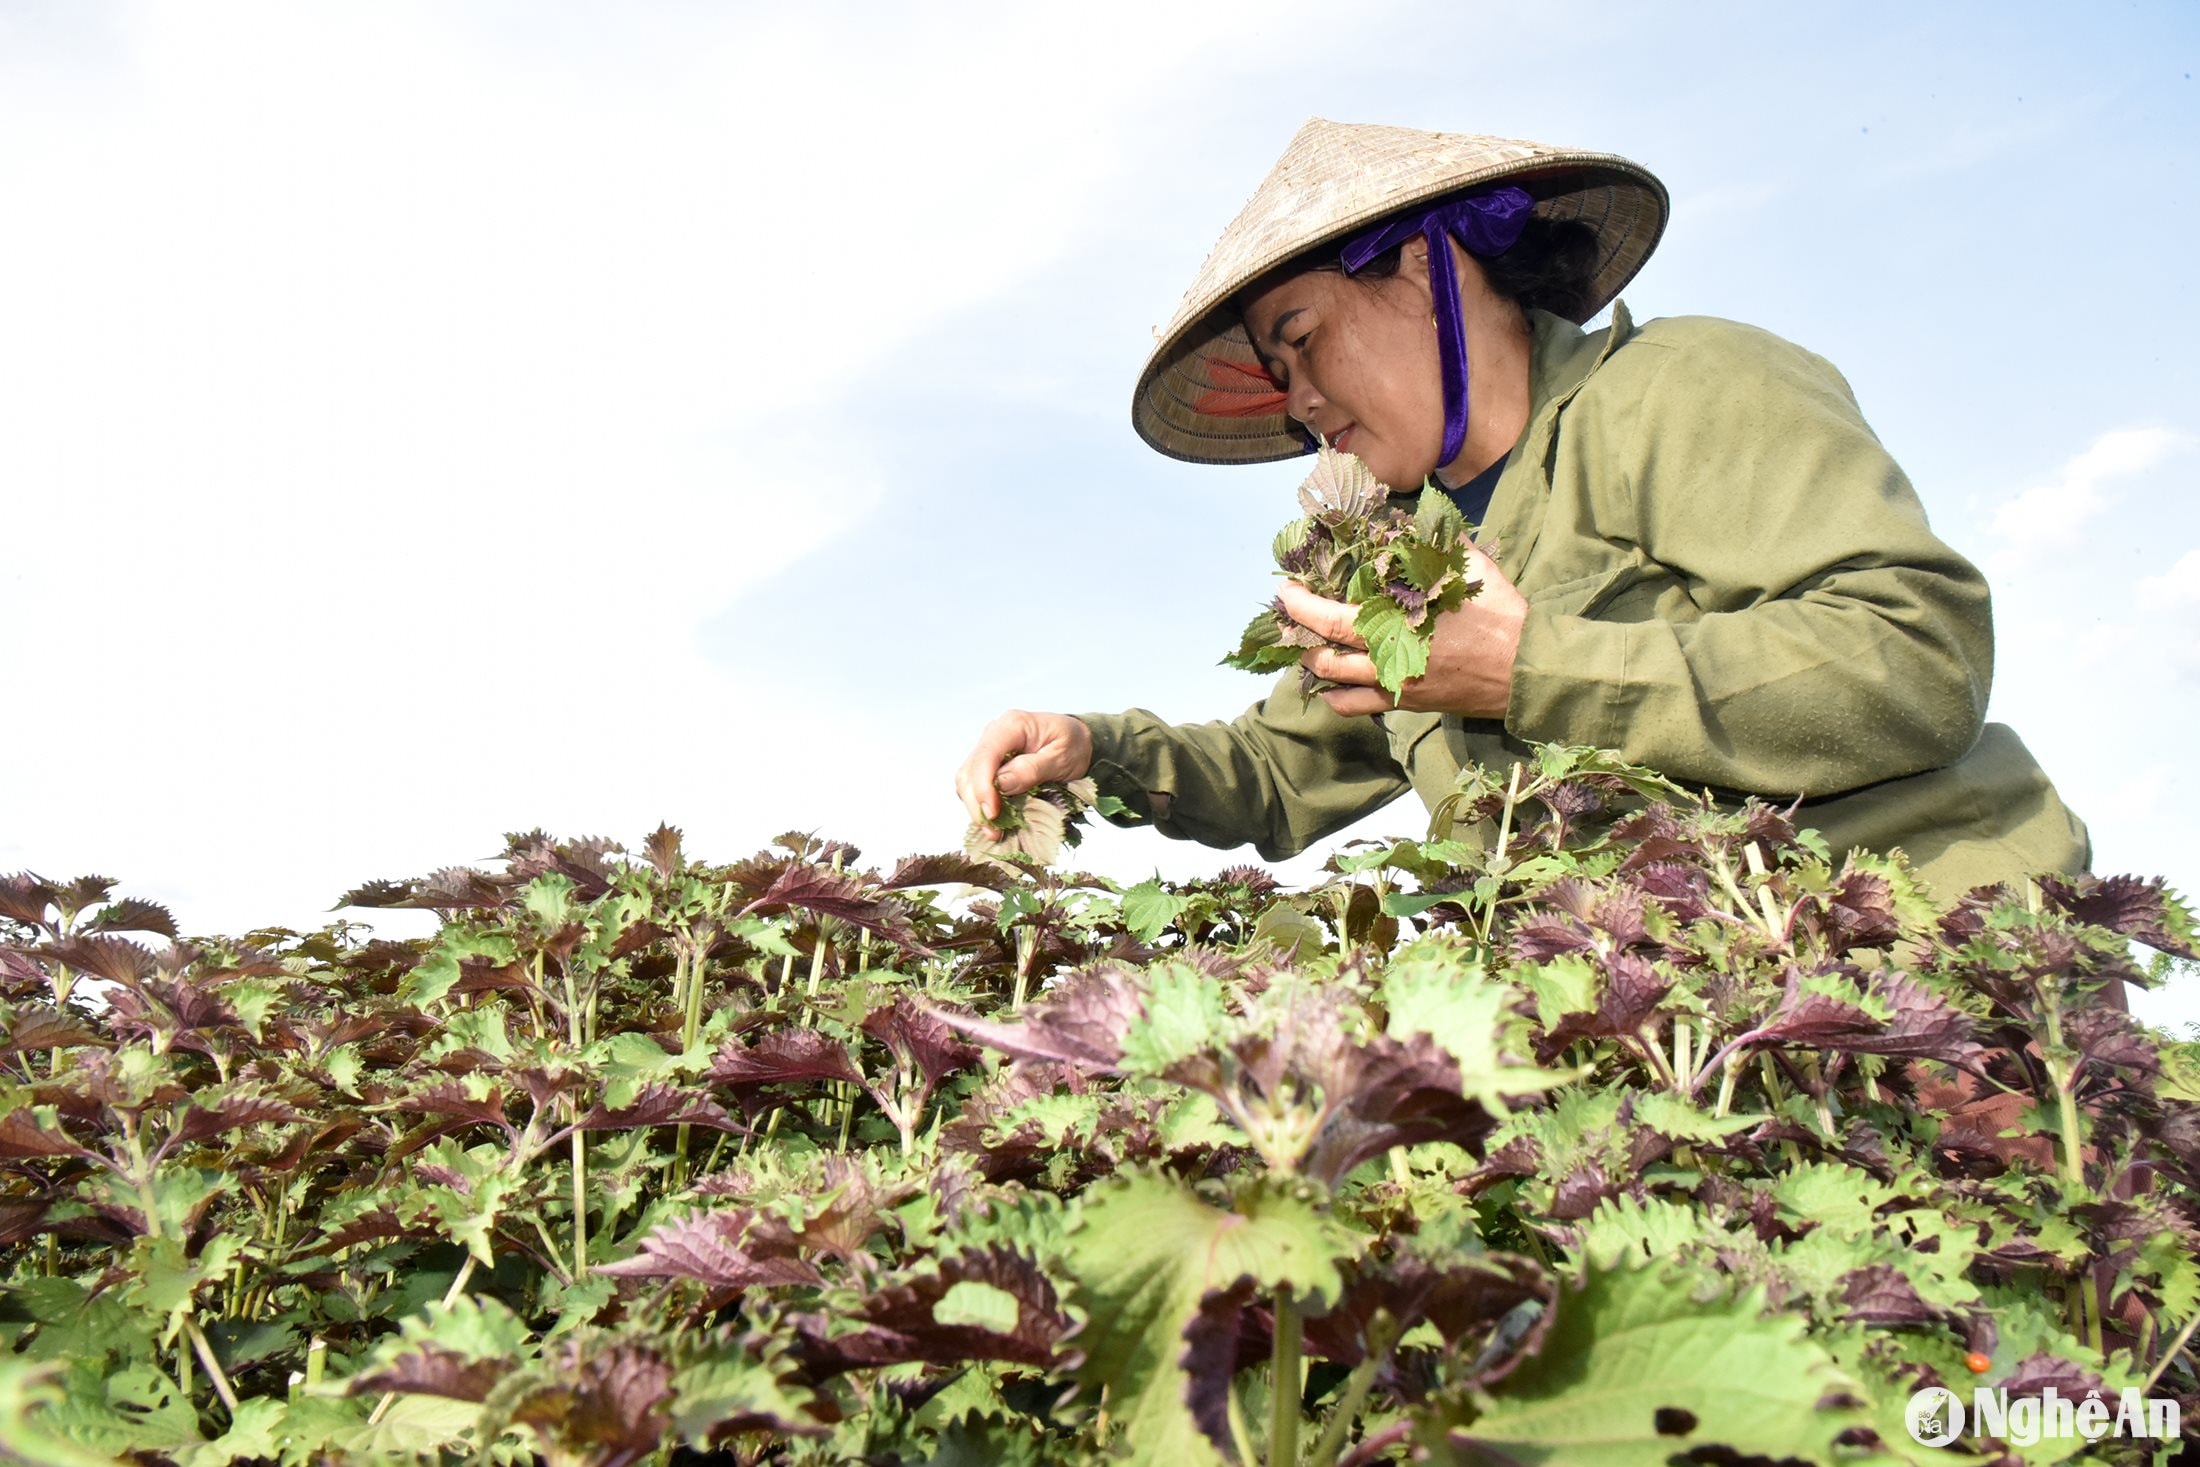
{"x": 1357, "y": 362}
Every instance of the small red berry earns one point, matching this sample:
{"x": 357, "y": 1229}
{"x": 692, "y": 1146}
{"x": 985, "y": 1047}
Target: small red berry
{"x": 1979, "y": 1364}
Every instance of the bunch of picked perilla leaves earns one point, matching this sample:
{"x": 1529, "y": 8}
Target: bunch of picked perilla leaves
{"x": 1035, "y": 826}
{"x": 1400, "y": 567}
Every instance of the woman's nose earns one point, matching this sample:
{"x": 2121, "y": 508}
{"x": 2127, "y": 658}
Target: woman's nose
{"x": 1302, "y": 402}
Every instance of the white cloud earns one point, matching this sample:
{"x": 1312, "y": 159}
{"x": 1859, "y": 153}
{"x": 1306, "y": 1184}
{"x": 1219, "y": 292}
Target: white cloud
{"x": 393, "y": 391}
{"x": 2051, "y": 514}
{"x": 2176, "y": 589}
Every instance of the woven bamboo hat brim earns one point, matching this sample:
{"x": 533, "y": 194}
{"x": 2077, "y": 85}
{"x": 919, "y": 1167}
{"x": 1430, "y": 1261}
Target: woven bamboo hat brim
{"x": 1335, "y": 179}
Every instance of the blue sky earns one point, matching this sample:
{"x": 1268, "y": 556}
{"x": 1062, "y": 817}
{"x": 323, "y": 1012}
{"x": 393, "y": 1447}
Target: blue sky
{"x": 433, "y": 420}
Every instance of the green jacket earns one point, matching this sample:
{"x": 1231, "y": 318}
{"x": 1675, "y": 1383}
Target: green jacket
{"x": 1728, "y": 580}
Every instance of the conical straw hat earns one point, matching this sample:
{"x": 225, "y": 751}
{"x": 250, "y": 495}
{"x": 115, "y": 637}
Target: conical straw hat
{"x": 1335, "y": 179}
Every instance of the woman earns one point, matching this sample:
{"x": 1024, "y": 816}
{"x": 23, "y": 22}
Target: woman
{"x": 1698, "y": 554}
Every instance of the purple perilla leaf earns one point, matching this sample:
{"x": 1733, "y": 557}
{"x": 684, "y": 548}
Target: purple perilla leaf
{"x": 662, "y": 846}
{"x": 43, "y": 1028}
{"x": 1584, "y": 913}
{"x": 24, "y": 1218}
{"x": 244, "y": 1107}
{"x": 1580, "y": 1192}
{"x": 453, "y": 1098}
{"x": 1464, "y": 1297}
{"x": 657, "y": 1104}
{"x": 30, "y": 900}
{"x": 1540, "y": 938}
{"x": 1860, "y": 912}
{"x": 1629, "y": 989}
{"x": 431, "y": 1370}
{"x": 113, "y": 958}
{"x": 376, "y": 894}
{"x": 1683, "y": 890}
{"x": 783, "y": 1057}
{"x": 605, "y": 1405}
{"x": 1257, "y": 880}
{"x": 133, "y": 915}
{"x": 1880, "y": 1294}
{"x": 586, "y": 862}
{"x": 848, "y": 897}
{"x": 807, "y": 845}
{"x": 459, "y": 887}
{"x": 85, "y": 891}
{"x": 1081, "y": 1023}
{"x": 377, "y": 1226}
{"x": 1772, "y": 829}
{"x": 1213, "y": 1346}
{"x": 1386, "y": 1092}
{"x": 731, "y": 1249}
{"x": 989, "y": 1304}
{"x": 1979, "y": 1135}
{"x": 152, "y": 1006}
{"x": 23, "y": 1135}
{"x": 2112, "y": 1038}
{"x": 953, "y": 868}
{"x": 853, "y": 1206}
{"x": 1837, "y": 1011}
{"x": 918, "y": 1039}
{"x": 2125, "y": 905}
{"x": 20, "y": 978}
{"x": 1633, "y": 989}
{"x": 2035, "y": 1373}
{"x": 1022, "y": 1151}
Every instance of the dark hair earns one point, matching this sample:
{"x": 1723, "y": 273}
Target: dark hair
{"x": 1551, "y": 267}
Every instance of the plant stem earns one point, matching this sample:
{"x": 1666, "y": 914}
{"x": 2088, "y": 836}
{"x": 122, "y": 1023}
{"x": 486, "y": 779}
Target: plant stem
{"x": 691, "y": 996}
{"x": 205, "y": 1352}
{"x": 1505, "y": 821}
{"x": 1779, "y": 1100}
{"x": 1818, "y": 1095}
{"x": 2162, "y": 1365}
{"x": 1284, "y": 1388}
{"x": 1382, "y": 1334}
{"x": 2090, "y": 1301}
{"x": 1027, "y": 950}
{"x": 1731, "y": 1068}
{"x": 580, "y": 1202}
{"x": 450, "y": 1297}
{"x": 1241, "y": 1435}
{"x": 2066, "y": 1105}
{"x": 719, "y": 1150}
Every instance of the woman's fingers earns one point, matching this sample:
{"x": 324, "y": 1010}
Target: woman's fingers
{"x": 1358, "y": 702}
{"x": 1001, "y": 741}
{"x": 1325, "y": 618}
{"x": 1017, "y": 752}
{"x": 1356, "y": 668}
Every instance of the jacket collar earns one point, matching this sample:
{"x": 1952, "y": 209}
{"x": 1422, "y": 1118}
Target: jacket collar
{"x": 1562, "y": 357}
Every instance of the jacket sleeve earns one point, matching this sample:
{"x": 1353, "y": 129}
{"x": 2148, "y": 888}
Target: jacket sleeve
{"x": 1282, "y": 775}
{"x": 1836, "y": 641}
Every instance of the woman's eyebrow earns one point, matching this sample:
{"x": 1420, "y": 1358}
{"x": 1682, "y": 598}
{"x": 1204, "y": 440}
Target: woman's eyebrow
{"x": 1275, "y": 332}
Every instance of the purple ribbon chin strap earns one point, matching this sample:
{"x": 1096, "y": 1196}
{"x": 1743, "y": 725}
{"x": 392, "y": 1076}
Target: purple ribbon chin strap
{"x": 1484, "y": 224}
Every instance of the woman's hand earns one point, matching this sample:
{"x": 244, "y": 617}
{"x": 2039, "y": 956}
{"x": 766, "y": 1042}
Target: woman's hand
{"x": 1470, "y": 656}
{"x": 1019, "y": 751}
